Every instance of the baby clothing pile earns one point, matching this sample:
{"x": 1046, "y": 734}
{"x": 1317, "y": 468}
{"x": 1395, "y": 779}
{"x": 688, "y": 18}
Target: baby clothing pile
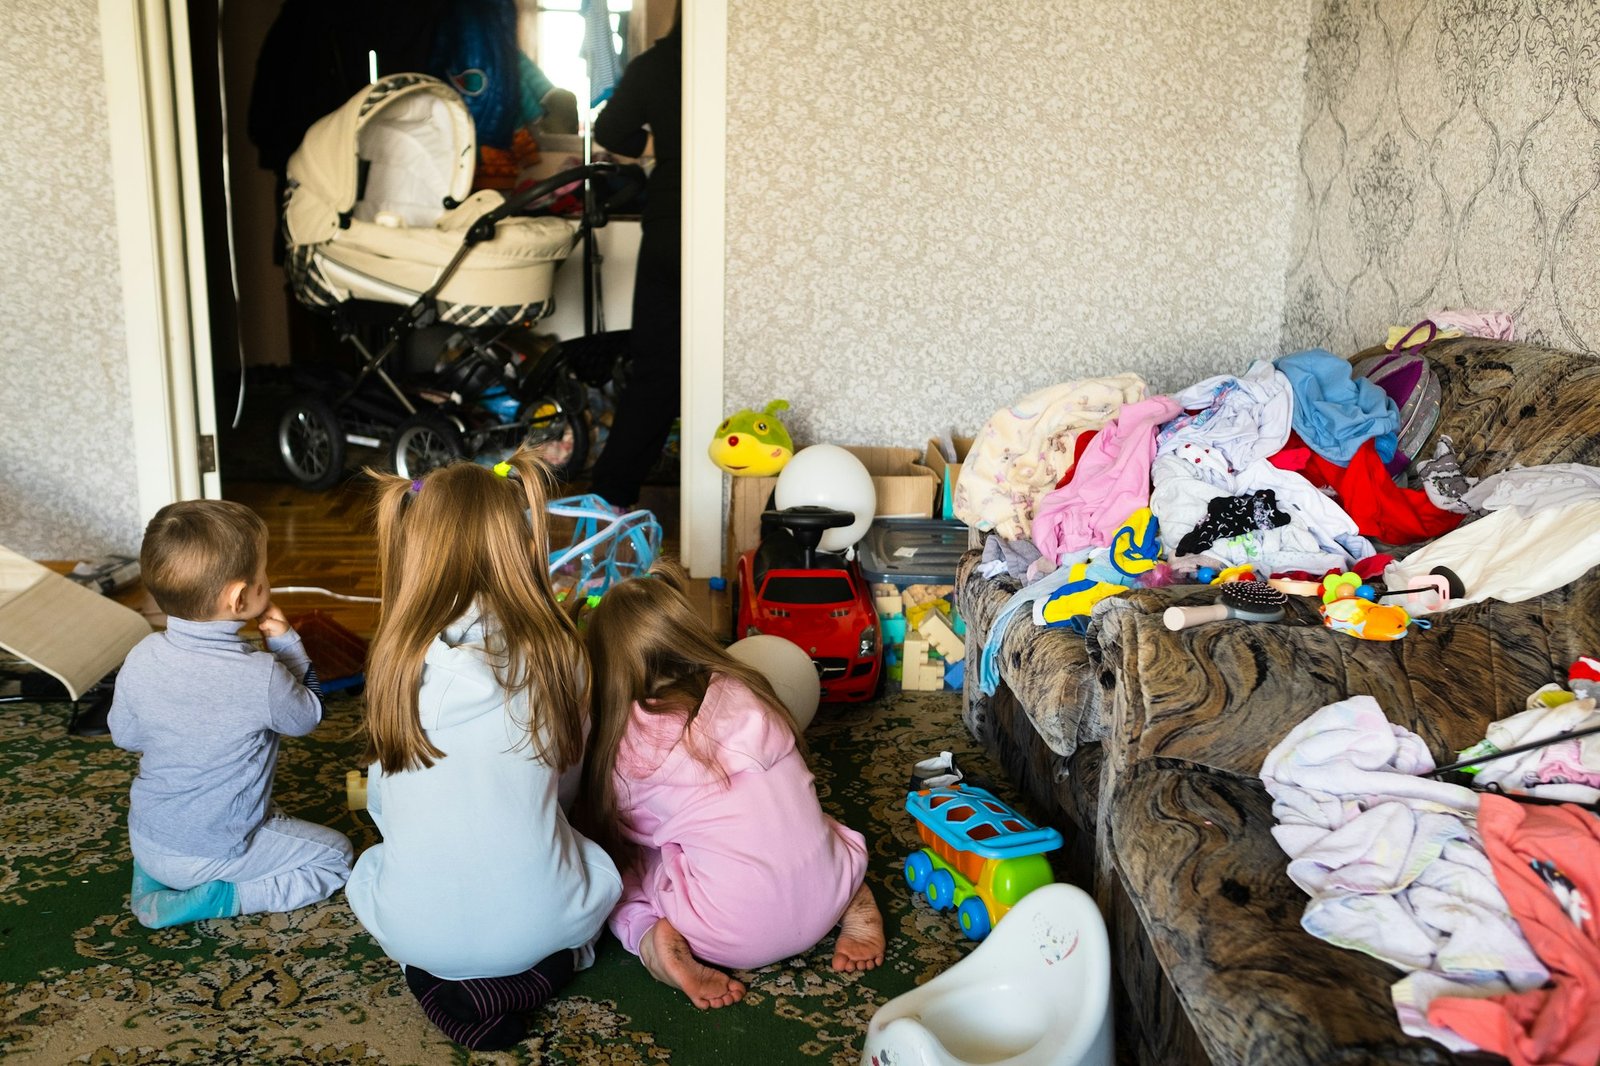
{"x": 1487, "y": 903}
{"x": 1284, "y": 469}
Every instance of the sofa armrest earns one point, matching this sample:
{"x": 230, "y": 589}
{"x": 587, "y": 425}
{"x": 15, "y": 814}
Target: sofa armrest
{"x": 1057, "y": 675}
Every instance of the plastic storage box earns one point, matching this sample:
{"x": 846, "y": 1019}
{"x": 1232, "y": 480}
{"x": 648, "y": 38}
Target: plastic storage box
{"x": 912, "y": 551}
{"x": 910, "y": 564}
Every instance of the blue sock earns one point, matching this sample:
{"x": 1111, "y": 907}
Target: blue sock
{"x": 157, "y": 906}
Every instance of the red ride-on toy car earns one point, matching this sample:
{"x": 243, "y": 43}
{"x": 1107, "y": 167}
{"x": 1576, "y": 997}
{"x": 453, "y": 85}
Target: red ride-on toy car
{"x": 818, "y": 600}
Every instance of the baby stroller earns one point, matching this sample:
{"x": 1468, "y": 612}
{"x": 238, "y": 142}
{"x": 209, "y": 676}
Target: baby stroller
{"x": 380, "y": 215}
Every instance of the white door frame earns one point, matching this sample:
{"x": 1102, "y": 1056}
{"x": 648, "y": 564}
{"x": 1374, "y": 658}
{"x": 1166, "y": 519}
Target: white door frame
{"x": 705, "y": 136}
{"x": 155, "y": 166}
{"x": 155, "y": 182}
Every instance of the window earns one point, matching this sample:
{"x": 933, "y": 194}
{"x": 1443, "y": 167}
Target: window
{"x": 552, "y": 32}
{"x": 807, "y": 590}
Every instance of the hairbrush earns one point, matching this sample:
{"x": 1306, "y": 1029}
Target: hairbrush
{"x": 1246, "y": 601}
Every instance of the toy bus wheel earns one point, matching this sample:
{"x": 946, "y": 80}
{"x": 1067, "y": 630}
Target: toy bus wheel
{"x": 974, "y": 918}
{"x": 918, "y": 869}
{"x": 941, "y": 890}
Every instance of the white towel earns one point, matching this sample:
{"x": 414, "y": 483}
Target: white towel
{"x": 1393, "y": 861}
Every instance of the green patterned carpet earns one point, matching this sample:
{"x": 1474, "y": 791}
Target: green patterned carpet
{"x": 81, "y": 981}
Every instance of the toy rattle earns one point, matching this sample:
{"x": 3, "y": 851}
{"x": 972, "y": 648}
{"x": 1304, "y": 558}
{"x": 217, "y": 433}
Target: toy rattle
{"x": 1246, "y": 601}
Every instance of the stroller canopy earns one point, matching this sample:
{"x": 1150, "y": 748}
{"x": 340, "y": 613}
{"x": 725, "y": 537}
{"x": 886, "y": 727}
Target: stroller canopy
{"x": 380, "y": 199}
{"x": 413, "y": 137}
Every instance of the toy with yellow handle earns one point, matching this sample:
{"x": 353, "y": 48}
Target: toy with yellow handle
{"x": 753, "y": 443}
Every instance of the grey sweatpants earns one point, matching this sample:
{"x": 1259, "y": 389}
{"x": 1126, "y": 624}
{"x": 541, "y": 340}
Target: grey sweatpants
{"x": 287, "y": 863}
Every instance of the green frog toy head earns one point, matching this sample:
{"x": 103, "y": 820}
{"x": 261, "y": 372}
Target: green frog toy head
{"x": 752, "y": 443}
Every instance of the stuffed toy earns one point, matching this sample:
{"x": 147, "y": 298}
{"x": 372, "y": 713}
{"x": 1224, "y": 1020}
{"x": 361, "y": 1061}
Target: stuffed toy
{"x": 753, "y": 443}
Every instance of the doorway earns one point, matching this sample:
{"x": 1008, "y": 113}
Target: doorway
{"x": 174, "y": 336}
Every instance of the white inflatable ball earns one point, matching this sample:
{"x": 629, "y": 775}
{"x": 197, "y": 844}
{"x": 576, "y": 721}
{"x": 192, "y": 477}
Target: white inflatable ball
{"x": 786, "y": 665}
{"x": 825, "y": 475}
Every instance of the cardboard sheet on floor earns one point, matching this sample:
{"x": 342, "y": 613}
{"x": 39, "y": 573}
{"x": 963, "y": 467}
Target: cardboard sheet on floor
{"x": 74, "y": 635}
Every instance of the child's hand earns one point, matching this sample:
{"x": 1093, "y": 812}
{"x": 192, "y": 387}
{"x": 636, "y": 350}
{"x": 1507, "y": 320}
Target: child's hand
{"x": 272, "y": 622}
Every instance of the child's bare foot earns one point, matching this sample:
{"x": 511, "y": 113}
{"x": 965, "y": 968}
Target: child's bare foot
{"x": 860, "y": 944}
{"x": 666, "y": 955}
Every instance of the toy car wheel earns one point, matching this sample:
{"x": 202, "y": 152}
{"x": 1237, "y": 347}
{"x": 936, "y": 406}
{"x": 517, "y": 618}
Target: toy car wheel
{"x": 941, "y": 890}
{"x": 918, "y": 869}
{"x": 561, "y": 436}
{"x": 425, "y": 441}
{"x": 311, "y": 444}
{"x": 974, "y": 917}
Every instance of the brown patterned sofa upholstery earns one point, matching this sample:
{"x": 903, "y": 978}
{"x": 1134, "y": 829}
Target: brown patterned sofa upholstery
{"x": 1144, "y": 746}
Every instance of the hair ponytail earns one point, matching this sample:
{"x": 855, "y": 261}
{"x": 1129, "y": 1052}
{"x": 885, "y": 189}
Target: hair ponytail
{"x": 465, "y": 538}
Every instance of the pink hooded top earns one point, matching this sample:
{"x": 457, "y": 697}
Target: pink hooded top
{"x": 1110, "y": 481}
{"x": 746, "y": 866}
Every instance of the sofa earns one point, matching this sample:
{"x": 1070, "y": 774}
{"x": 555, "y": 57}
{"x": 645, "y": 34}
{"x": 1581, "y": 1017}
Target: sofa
{"x": 1144, "y": 746}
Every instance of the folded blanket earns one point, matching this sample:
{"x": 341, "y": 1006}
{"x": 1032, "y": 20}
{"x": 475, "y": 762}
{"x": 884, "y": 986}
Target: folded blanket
{"x": 1023, "y": 450}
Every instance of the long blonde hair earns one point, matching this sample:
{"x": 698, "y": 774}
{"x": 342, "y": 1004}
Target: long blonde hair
{"x": 467, "y": 537}
{"x": 649, "y": 646}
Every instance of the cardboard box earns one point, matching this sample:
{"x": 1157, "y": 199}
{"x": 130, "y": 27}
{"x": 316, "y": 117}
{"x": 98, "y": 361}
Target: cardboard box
{"x": 905, "y": 489}
{"x": 949, "y": 473}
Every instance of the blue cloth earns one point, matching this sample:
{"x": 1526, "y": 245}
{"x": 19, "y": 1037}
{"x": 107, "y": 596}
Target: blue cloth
{"x": 1335, "y": 413}
{"x": 604, "y": 70}
{"x": 989, "y": 663}
{"x": 475, "y": 51}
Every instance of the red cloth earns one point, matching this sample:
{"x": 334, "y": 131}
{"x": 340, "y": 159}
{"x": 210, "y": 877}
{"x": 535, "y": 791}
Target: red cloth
{"x": 1366, "y": 569}
{"x": 1294, "y": 455}
{"x": 1078, "y": 447}
{"x": 1380, "y": 508}
{"x": 1547, "y": 860}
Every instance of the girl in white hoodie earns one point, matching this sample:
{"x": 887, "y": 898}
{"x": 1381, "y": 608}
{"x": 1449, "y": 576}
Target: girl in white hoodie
{"x": 476, "y": 703}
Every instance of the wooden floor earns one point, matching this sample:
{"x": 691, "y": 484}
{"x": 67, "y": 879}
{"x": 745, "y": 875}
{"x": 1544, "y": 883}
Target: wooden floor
{"x": 325, "y": 540}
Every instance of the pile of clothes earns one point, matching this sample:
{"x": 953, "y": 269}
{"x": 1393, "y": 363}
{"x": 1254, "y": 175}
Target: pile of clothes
{"x": 1288, "y": 469}
{"x": 1488, "y": 902}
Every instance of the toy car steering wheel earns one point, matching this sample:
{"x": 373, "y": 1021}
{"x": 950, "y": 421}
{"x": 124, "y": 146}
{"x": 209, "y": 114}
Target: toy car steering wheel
{"x": 808, "y": 523}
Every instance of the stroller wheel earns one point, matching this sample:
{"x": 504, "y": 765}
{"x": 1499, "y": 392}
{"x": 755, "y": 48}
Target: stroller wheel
{"x": 560, "y": 435}
{"x": 424, "y": 442}
{"x": 311, "y": 444}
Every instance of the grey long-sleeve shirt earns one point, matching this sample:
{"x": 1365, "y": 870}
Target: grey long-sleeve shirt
{"x": 204, "y": 708}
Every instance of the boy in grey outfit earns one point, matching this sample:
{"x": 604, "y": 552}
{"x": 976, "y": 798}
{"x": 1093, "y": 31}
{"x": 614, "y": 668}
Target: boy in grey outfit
{"x": 204, "y": 708}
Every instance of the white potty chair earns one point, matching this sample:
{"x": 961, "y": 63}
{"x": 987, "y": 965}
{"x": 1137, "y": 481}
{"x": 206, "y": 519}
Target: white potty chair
{"x": 1037, "y": 992}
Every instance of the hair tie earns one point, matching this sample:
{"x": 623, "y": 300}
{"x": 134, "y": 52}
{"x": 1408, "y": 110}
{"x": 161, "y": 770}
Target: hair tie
{"x": 507, "y": 471}
{"x": 416, "y": 486}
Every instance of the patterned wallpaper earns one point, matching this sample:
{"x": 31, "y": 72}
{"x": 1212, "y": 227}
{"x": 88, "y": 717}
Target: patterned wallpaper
{"x": 66, "y": 434}
{"x": 934, "y": 208}
{"x": 1449, "y": 157}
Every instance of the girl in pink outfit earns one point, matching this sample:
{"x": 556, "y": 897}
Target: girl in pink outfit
{"x": 696, "y": 785}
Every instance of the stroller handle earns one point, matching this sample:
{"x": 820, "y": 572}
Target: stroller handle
{"x": 483, "y": 228}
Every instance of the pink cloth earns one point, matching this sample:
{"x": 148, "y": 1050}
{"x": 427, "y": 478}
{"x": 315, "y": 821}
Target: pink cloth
{"x": 1547, "y": 860}
{"x": 1495, "y": 324}
{"x": 1108, "y": 484}
{"x": 749, "y": 869}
